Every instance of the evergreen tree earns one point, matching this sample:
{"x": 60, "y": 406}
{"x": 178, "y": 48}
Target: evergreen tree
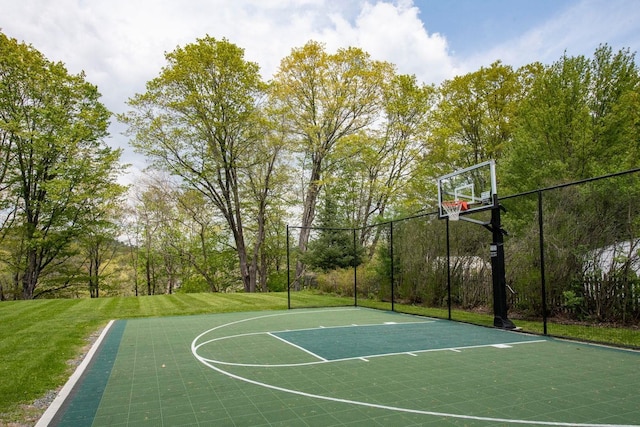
{"x": 335, "y": 246}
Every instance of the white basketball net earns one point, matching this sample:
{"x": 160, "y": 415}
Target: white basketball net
{"x": 453, "y": 208}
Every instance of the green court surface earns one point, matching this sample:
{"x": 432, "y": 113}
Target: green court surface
{"x": 346, "y": 367}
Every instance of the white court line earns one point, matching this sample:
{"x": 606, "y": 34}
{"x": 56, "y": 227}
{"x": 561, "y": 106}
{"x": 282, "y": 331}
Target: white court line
{"x": 298, "y": 347}
{"x": 194, "y": 351}
{"x": 355, "y": 325}
{"x": 51, "y": 411}
{"x": 345, "y": 359}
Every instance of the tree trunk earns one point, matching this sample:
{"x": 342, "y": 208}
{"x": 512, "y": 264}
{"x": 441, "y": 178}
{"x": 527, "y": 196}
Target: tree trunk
{"x": 248, "y": 279}
{"x": 94, "y": 268}
{"x": 148, "y": 273}
{"x": 308, "y": 215}
{"x": 30, "y": 278}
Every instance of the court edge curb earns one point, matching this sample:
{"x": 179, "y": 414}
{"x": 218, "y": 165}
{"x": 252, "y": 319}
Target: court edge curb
{"x": 52, "y": 410}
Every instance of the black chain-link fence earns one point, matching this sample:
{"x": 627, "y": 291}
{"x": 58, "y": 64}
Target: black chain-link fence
{"x": 572, "y": 263}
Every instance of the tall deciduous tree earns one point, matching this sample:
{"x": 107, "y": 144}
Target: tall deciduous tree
{"x": 59, "y": 172}
{"x": 205, "y": 246}
{"x": 474, "y": 118}
{"x": 100, "y": 243}
{"x": 325, "y": 98}
{"x": 267, "y": 181}
{"x": 579, "y": 119}
{"x": 199, "y": 120}
{"x": 385, "y": 159}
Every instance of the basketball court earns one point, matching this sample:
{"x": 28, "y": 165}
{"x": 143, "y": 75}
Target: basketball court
{"x": 344, "y": 366}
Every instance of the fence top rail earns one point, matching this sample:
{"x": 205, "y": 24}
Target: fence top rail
{"x": 421, "y": 214}
{"x": 569, "y": 184}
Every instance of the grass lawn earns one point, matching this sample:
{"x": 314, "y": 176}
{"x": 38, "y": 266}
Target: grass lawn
{"x": 42, "y": 341}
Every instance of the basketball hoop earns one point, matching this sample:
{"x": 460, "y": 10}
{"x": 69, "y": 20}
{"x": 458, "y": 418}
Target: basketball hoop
{"x": 453, "y": 208}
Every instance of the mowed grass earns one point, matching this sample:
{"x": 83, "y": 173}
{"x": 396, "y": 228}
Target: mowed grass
{"x": 40, "y": 340}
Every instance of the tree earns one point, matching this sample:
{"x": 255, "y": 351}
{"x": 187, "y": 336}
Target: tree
{"x": 325, "y": 98}
{"x": 164, "y": 236}
{"x": 200, "y": 121}
{"x": 578, "y": 120}
{"x": 335, "y": 246}
{"x": 379, "y": 163}
{"x": 473, "y": 121}
{"x": 59, "y": 171}
{"x": 205, "y": 242}
{"x": 267, "y": 181}
{"x": 100, "y": 244}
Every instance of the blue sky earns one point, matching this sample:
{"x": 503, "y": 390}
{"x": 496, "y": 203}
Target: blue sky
{"x": 120, "y": 44}
{"x": 474, "y": 25}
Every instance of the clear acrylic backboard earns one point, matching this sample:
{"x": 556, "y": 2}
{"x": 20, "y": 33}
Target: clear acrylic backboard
{"x": 473, "y": 189}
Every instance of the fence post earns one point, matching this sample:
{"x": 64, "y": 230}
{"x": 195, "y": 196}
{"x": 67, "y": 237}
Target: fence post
{"x": 543, "y": 284}
{"x": 355, "y": 271}
{"x": 392, "y": 264}
{"x": 288, "y": 273}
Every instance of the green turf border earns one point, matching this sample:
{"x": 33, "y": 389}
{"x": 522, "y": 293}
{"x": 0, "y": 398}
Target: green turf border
{"x": 81, "y": 403}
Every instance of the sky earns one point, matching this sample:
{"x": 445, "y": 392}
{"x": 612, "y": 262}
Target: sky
{"x": 120, "y": 44}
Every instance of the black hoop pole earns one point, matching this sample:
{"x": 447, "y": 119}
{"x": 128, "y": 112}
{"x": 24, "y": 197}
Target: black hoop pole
{"x": 448, "y": 271}
{"x": 392, "y": 265}
{"x": 500, "y": 319}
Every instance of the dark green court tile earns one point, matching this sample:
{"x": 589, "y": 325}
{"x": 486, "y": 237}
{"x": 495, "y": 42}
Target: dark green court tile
{"x": 115, "y": 400}
{"x": 211, "y": 417}
{"x": 177, "y": 410}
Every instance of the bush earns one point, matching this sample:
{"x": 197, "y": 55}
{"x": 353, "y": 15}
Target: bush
{"x": 339, "y": 282}
{"x": 277, "y": 282}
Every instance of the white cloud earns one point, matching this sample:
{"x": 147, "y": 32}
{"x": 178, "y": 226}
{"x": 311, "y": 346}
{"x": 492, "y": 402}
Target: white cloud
{"x": 396, "y": 34}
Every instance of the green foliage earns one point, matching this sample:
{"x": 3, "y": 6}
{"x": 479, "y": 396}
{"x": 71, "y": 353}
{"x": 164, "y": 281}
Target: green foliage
{"x": 332, "y": 249}
{"x": 277, "y": 282}
{"x": 200, "y": 121}
{"x": 58, "y": 180}
{"x": 473, "y": 121}
{"x": 336, "y": 282}
{"x": 572, "y": 302}
{"x": 575, "y": 122}
{"x": 324, "y": 98}
{"x": 335, "y": 247}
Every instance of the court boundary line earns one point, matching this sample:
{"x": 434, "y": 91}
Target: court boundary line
{"x": 202, "y": 360}
{"x": 57, "y": 403}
